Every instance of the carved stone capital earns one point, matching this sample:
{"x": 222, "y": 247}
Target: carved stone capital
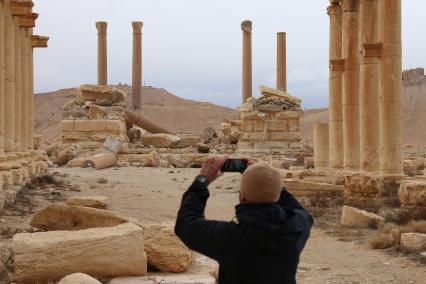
{"x": 137, "y": 27}
{"x": 28, "y": 21}
{"x": 246, "y": 26}
{"x": 39, "y": 41}
{"x": 21, "y": 8}
{"x": 102, "y": 27}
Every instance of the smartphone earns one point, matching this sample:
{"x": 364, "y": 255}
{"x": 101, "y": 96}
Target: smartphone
{"x": 234, "y": 166}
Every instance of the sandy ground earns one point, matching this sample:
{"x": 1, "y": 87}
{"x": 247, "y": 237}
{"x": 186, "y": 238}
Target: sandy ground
{"x": 150, "y": 194}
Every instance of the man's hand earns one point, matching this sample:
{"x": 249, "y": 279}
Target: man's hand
{"x": 211, "y": 167}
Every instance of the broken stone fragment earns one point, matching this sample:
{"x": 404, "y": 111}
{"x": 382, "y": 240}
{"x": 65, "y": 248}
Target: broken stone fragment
{"x": 100, "y": 252}
{"x": 96, "y": 92}
{"x": 78, "y": 278}
{"x": 161, "y": 140}
{"x": 165, "y": 251}
{"x": 178, "y": 161}
{"x": 413, "y": 241}
{"x": 360, "y": 218}
{"x": 99, "y": 202}
{"x": 67, "y": 154}
{"x": 102, "y": 161}
{"x": 60, "y": 216}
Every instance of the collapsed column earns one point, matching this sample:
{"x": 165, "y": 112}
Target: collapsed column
{"x": 281, "y": 62}
{"x": 390, "y": 101}
{"x": 336, "y": 153}
{"x": 102, "y": 53}
{"x": 137, "y": 66}
{"x": 350, "y": 53}
{"x": 369, "y": 86}
{"x": 246, "y": 27}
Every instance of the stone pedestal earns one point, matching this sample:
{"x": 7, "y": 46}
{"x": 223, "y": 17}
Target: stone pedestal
{"x": 350, "y": 53}
{"x": 102, "y": 53}
{"x": 336, "y": 154}
{"x": 321, "y": 145}
{"x": 369, "y": 86}
{"x": 281, "y": 62}
{"x": 390, "y": 101}
{"x": 246, "y": 27}
{"x": 137, "y": 66}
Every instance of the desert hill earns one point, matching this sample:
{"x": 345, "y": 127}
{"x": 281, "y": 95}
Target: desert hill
{"x": 188, "y": 116}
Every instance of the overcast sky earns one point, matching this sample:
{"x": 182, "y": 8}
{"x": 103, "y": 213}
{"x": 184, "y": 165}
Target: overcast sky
{"x": 193, "y": 47}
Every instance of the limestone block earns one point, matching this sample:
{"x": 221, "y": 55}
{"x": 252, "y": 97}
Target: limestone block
{"x": 178, "y": 161}
{"x": 100, "y": 202}
{"x": 252, "y": 136}
{"x": 115, "y": 126}
{"x": 278, "y": 125}
{"x": 68, "y": 125}
{"x": 77, "y": 162}
{"x": 78, "y": 278}
{"x": 18, "y": 178}
{"x": 97, "y": 112}
{"x": 161, "y": 140}
{"x": 73, "y": 137}
{"x": 100, "y": 252}
{"x": 199, "y": 278}
{"x": 67, "y": 154}
{"x": 90, "y": 125}
{"x": 165, "y": 251}
{"x": 7, "y": 178}
{"x": 293, "y": 125}
{"x": 412, "y": 193}
{"x": 359, "y": 218}
{"x": 249, "y": 115}
{"x": 95, "y": 92}
{"x": 289, "y": 114}
{"x": 247, "y": 125}
{"x": 285, "y": 136}
{"x": 259, "y": 125}
{"x": 413, "y": 241}
{"x": 60, "y": 216}
{"x": 188, "y": 140}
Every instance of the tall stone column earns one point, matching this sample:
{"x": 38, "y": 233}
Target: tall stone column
{"x": 18, "y": 84}
{"x": 9, "y": 79}
{"x": 246, "y": 27}
{"x": 102, "y": 53}
{"x": 137, "y": 66}
{"x": 390, "y": 100}
{"x": 335, "y": 86}
{"x": 2, "y": 117}
{"x": 281, "y": 61}
{"x": 350, "y": 53}
{"x": 369, "y": 86}
{"x": 25, "y": 90}
{"x": 321, "y": 145}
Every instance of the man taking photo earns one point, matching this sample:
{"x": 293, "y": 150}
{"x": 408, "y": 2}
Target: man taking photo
{"x": 264, "y": 246}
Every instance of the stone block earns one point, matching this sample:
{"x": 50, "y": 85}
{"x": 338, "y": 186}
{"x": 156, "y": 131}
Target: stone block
{"x": 2, "y": 199}
{"x": 100, "y": 202}
{"x": 187, "y": 140}
{"x": 18, "y": 178}
{"x": 97, "y": 112}
{"x": 165, "y": 251}
{"x": 252, "y": 136}
{"x": 78, "y": 278}
{"x": 360, "y": 218}
{"x": 60, "y": 216}
{"x": 90, "y": 125}
{"x": 68, "y": 125}
{"x": 249, "y": 115}
{"x": 277, "y": 125}
{"x": 413, "y": 241}
{"x": 1, "y": 181}
{"x": 412, "y": 193}
{"x": 199, "y": 278}
{"x": 293, "y": 125}
{"x": 161, "y": 140}
{"x": 96, "y": 92}
{"x": 100, "y": 252}
{"x": 178, "y": 161}
{"x": 289, "y": 114}
{"x": 285, "y": 136}
{"x": 115, "y": 126}
{"x": 247, "y": 125}
{"x": 77, "y": 162}
{"x": 259, "y": 125}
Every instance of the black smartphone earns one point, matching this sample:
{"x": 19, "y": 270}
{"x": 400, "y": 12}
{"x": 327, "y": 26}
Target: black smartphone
{"x": 234, "y": 166}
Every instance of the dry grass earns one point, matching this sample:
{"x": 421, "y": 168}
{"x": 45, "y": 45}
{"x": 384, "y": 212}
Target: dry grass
{"x": 415, "y": 227}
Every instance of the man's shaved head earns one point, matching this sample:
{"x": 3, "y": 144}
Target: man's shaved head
{"x": 261, "y": 184}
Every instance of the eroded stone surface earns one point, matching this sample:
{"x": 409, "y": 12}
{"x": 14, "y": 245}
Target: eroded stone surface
{"x": 100, "y": 202}
{"x": 161, "y": 140}
{"x": 413, "y": 241}
{"x": 360, "y": 218}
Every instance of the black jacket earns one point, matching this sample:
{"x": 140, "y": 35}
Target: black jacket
{"x": 262, "y": 248}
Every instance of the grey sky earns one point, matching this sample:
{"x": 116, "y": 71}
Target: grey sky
{"x": 193, "y": 47}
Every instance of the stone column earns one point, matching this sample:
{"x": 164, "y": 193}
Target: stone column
{"x": 2, "y": 118}
{"x": 390, "y": 100}
{"x": 246, "y": 27}
{"x": 321, "y": 145}
{"x": 9, "y": 79}
{"x": 137, "y": 66}
{"x": 281, "y": 62}
{"x": 102, "y": 53}
{"x": 350, "y": 53}
{"x": 25, "y": 94}
{"x": 369, "y": 86}
{"x": 18, "y": 83}
{"x": 335, "y": 86}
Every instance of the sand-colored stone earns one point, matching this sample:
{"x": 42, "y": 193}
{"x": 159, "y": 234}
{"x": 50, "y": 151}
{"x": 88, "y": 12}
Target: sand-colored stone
{"x": 99, "y": 202}
{"x": 359, "y": 218}
{"x": 247, "y": 86}
{"x": 100, "y": 252}
{"x": 2, "y": 73}
{"x": 413, "y": 241}
{"x": 102, "y": 160}
{"x": 350, "y": 53}
{"x": 335, "y": 87}
{"x": 165, "y": 251}
{"x": 137, "y": 65}
{"x": 321, "y": 145}
{"x": 102, "y": 53}
{"x": 60, "y": 216}
{"x": 281, "y": 61}
{"x": 390, "y": 97}
{"x": 181, "y": 278}
{"x": 9, "y": 79}
{"x": 99, "y": 92}
{"x": 18, "y": 83}
{"x": 161, "y": 140}
{"x": 369, "y": 86}
{"x": 78, "y": 278}
{"x": 412, "y": 193}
